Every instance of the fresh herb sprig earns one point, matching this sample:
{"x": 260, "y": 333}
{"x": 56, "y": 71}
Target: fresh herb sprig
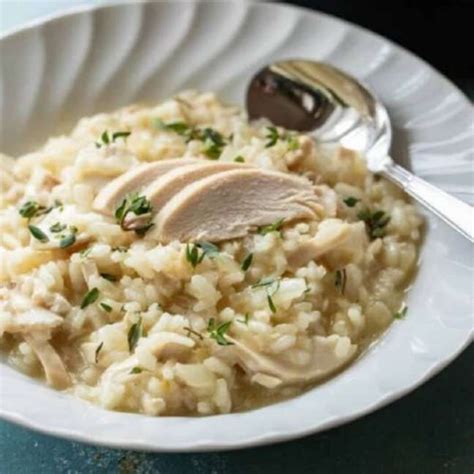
{"x": 107, "y": 139}
{"x": 273, "y": 135}
{"x": 350, "y": 201}
{"x": 90, "y": 297}
{"x": 38, "y": 234}
{"x": 375, "y": 222}
{"x": 195, "y": 252}
{"x": 275, "y": 227}
{"x": 245, "y": 265}
{"x": 138, "y": 205}
{"x": 218, "y": 332}
{"x": 213, "y": 140}
{"x": 135, "y": 332}
{"x": 271, "y": 286}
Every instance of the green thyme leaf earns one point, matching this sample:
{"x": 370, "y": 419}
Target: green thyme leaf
{"x": 97, "y": 352}
{"x": 106, "y": 307}
{"x": 213, "y": 143}
{"x": 38, "y": 234}
{"x": 375, "y": 222}
{"x": 192, "y": 255}
{"x": 117, "y": 135}
{"x": 107, "y": 139}
{"x": 271, "y": 304}
{"x": 217, "y": 332}
{"x": 135, "y": 332}
{"x": 181, "y": 128}
{"x": 275, "y": 227}
{"x": 264, "y": 282}
{"x": 351, "y": 201}
{"x": 108, "y": 276}
{"x": 239, "y": 159}
{"x": 272, "y": 137}
{"x": 138, "y": 205}
{"x": 57, "y": 227}
{"x": 245, "y": 265}
{"x": 340, "y": 280}
{"x": 402, "y": 313}
{"x": 245, "y": 320}
{"x": 136, "y": 370}
{"x": 31, "y": 209}
{"x": 90, "y": 298}
{"x": 68, "y": 240}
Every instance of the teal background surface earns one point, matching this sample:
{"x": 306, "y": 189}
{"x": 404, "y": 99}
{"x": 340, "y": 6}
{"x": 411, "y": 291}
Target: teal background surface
{"x": 429, "y": 431}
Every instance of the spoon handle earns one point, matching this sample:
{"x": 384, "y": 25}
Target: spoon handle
{"x": 451, "y": 210}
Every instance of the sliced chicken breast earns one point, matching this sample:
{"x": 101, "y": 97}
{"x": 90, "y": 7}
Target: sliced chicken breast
{"x": 162, "y": 189}
{"x": 134, "y": 180}
{"x": 227, "y": 205}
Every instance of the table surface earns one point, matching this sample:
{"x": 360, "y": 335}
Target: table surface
{"x": 429, "y": 431}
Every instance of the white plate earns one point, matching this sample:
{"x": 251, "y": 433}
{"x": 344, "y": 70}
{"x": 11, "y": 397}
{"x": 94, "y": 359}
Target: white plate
{"x": 97, "y": 59}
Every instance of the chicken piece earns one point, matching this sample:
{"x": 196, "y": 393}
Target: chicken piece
{"x": 228, "y": 205}
{"x": 162, "y": 189}
{"x": 331, "y": 234}
{"x": 54, "y": 369}
{"x": 329, "y": 354}
{"x": 134, "y": 180}
{"x": 328, "y": 199}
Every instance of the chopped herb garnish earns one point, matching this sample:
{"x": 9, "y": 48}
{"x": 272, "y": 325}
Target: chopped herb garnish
{"x": 70, "y": 239}
{"x": 38, "y": 234}
{"x": 272, "y": 136}
{"x": 375, "y": 222}
{"x": 117, "y": 135}
{"x": 106, "y": 307}
{"x": 97, "y": 351}
{"x": 351, "y": 201}
{"x": 181, "y": 128}
{"x": 136, "y": 370}
{"x": 31, "y": 209}
{"x": 58, "y": 227}
{"x": 106, "y": 139}
{"x": 245, "y": 265}
{"x": 340, "y": 280}
{"x": 275, "y": 227}
{"x": 213, "y": 140}
{"x": 245, "y": 320}
{"x": 213, "y": 143}
{"x": 134, "y": 334}
{"x": 271, "y": 304}
{"x": 239, "y": 159}
{"x": 217, "y": 332}
{"x": 192, "y": 255}
{"x": 264, "y": 282}
{"x": 108, "y": 276}
{"x": 402, "y": 313}
{"x": 90, "y": 298}
{"x": 192, "y": 331}
{"x": 271, "y": 286}
{"x": 138, "y": 205}
{"x": 195, "y": 253}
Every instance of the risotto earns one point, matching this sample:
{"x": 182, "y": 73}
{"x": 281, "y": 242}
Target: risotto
{"x": 179, "y": 260}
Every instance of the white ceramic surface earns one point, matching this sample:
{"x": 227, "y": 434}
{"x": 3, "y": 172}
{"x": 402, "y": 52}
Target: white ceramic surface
{"x": 97, "y": 59}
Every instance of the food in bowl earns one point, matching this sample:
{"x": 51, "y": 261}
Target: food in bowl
{"x": 178, "y": 260}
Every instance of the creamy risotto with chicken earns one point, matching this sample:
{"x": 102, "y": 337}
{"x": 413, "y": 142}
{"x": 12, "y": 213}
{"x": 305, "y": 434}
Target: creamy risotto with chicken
{"x": 178, "y": 260}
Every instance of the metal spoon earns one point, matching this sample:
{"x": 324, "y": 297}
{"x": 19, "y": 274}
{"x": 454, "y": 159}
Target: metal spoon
{"x": 334, "y": 107}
